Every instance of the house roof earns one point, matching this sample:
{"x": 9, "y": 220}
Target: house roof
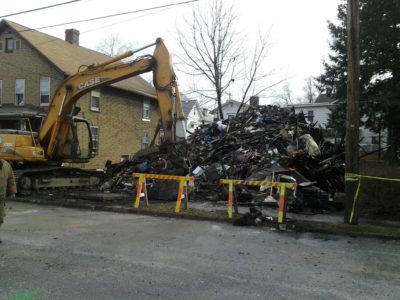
{"x": 187, "y": 106}
{"x": 68, "y": 57}
{"x": 322, "y": 101}
{"x": 323, "y": 98}
{"x": 234, "y": 102}
{"x": 230, "y": 101}
{"x": 26, "y": 110}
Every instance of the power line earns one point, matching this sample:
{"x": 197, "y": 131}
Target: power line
{"x": 123, "y": 21}
{"x": 114, "y": 15}
{"x": 40, "y": 8}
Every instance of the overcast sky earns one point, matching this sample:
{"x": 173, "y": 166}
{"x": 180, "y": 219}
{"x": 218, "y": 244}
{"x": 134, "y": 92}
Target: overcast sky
{"x": 298, "y": 29}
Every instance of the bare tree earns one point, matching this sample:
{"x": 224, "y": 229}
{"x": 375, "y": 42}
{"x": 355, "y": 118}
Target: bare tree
{"x": 310, "y": 90}
{"x": 254, "y": 82}
{"x": 113, "y": 45}
{"x": 210, "y": 50}
{"x": 285, "y": 97}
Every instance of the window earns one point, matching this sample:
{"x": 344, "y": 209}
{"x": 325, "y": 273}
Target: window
{"x": 145, "y": 140}
{"x": 95, "y": 137}
{"x": 375, "y": 139}
{"x": 44, "y": 91}
{"x": 1, "y": 92}
{"x": 9, "y": 44}
{"x": 1, "y": 46}
{"x": 17, "y": 44}
{"x": 95, "y": 100}
{"x": 146, "y": 109}
{"x": 20, "y": 92}
{"x": 310, "y": 116}
{"x": 162, "y": 136}
{"x": 124, "y": 157}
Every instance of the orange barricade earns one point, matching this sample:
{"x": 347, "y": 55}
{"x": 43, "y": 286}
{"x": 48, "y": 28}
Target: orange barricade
{"x": 182, "y": 187}
{"x": 281, "y": 185}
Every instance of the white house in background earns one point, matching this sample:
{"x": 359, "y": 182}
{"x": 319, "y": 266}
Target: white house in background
{"x": 229, "y": 109}
{"x": 195, "y": 115}
{"x": 319, "y": 112}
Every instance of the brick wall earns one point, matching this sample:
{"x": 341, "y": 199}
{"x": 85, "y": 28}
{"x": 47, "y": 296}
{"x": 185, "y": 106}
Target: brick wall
{"x": 25, "y": 63}
{"x": 119, "y": 119}
{"x": 120, "y": 124}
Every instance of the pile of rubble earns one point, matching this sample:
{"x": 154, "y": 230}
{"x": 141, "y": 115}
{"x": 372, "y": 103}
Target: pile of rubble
{"x": 263, "y": 143}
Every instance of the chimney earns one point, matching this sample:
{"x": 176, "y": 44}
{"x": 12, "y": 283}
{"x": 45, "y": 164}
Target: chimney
{"x": 254, "y": 101}
{"x": 72, "y": 36}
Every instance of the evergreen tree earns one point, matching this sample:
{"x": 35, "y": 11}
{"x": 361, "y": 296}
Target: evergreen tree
{"x": 379, "y": 67}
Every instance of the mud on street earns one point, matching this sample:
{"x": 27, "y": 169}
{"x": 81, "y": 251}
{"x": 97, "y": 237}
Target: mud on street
{"x": 61, "y": 253}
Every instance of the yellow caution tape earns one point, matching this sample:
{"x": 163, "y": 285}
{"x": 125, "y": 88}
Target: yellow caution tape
{"x": 165, "y": 177}
{"x": 258, "y": 183}
{"x": 357, "y": 177}
{"x": 281, "y": 185}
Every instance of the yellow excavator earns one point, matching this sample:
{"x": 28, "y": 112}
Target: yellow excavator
{"x": 37, "y": 149}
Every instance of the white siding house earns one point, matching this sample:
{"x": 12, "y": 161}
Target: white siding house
{"x": 315, "y": 112}
{"x": 229, "y": 109}
{"x": 195, "y": 115}
{"x": 319, "y": 112}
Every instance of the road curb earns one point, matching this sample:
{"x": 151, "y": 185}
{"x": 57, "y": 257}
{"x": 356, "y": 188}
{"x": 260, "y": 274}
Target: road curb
{"x": 362, "y": 230}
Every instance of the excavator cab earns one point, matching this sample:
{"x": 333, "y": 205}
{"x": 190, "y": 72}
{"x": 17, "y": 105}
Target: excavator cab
{"x": 19, "y": 137}
{"x": 80, "y": 143}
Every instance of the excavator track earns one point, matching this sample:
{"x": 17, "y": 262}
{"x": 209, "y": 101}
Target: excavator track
{"x": 30, "y": 180}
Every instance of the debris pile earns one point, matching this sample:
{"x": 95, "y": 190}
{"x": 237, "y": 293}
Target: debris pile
{"x": 263, "y": 143}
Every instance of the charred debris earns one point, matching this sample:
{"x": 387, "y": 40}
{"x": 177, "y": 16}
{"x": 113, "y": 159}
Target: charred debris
{"x": 266, "y": 143}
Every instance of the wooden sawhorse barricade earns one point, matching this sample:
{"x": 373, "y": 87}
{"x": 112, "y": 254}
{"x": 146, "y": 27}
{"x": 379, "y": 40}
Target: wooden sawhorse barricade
{"x": 182, "y": 187}
{"x": 281, "y": 185}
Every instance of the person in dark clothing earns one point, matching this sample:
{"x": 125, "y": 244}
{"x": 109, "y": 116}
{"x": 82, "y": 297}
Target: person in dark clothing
{"x": 7, "y": 186}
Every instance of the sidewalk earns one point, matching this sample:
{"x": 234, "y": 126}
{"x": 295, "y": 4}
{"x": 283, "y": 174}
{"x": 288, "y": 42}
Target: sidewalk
{"x": 331, "y": 223}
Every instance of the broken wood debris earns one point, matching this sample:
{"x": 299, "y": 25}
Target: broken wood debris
{"x": 263, "y": 143}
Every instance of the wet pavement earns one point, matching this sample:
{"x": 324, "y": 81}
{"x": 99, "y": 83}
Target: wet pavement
{"x": 327, "y": 221}
{"x": 52, "y": 252}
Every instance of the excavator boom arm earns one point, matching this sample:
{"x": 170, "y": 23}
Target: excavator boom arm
{"x": 56, "y": 127}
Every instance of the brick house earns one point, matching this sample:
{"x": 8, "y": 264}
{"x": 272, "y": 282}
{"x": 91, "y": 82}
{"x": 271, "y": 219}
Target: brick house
{"x": 124, "y": 115}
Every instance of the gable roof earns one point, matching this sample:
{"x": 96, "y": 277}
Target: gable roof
{"x": 68, "y": 58}
{"x": 230, "y": 101}
{"x": 233, "y": 102}
{"x": 323, "y": 98}
{"x": 187, "y": 106}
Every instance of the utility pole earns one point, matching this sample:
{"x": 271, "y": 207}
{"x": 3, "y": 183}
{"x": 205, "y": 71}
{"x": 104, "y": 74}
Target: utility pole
{"x": 353, "y": 113}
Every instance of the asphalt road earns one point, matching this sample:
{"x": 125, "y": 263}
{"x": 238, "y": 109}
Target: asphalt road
{"x": 60, "y": 253}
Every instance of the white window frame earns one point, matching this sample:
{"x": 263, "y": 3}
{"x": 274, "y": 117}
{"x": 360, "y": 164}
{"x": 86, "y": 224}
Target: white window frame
{"x": 44, "y": 90}
{"x": 124, "y": 157}
{"x": 146, "y": 110}
{"x": 95, "y": 96}
{"x": 9, "y": 42}
{"x": 145, "y": 140}
{"x": 18, "y": 44}
{"x": 95, "y": 137}
{"x": 20, "y": 90}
